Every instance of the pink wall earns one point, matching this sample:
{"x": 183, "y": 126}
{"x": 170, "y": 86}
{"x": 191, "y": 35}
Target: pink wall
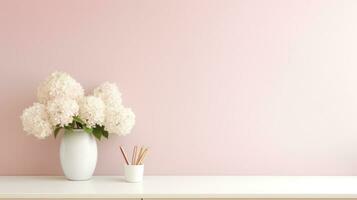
{"x": 218, "y": 87}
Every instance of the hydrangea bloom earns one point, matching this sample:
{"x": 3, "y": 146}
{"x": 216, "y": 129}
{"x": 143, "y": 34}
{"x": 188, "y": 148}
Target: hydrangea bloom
{"x": 91, "y": 110}
{"x": 62, "y": 110}
{"x": 35, "y": 121}
{"x": 59, "y": 85}
{"x": 119, "y": 120}
{"x": 109, "y": 93}
{"x": 62, "y": 102}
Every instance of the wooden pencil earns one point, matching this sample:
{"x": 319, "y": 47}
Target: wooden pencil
{"x": 133, "y": 159}
{"x": 143, "y": 156}
{"x": 139, "y": 155}
{"x": 124, "y": 155}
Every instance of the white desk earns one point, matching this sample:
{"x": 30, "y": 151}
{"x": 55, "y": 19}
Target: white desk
{"x": 181, "y": 187}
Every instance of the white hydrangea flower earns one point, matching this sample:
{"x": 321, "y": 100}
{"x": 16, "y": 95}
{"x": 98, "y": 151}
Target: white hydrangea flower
{"x": 109, "y": 93}
{"x": 59, "y": 85}
{"x": 119, "y": 120}
{"x": 35, "y": 121}
{"x": 91, "y": 110}
{"x": 62, "y": 110}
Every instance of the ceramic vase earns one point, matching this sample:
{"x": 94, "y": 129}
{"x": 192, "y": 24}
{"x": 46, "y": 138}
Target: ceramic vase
{"x": 78, "y": 155}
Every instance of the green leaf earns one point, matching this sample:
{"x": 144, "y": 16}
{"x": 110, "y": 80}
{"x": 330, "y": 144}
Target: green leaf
{"x": 100, "y": 129}
{"x": 97, "y": 132}
{"x": 88, "y": 130}
{"x": 79, "y": 120}
{"x": 79, "y": 125}
{"x": 105, "y": 133}
{"x": 57, "y": 131}
{"x": 69, "y": 129}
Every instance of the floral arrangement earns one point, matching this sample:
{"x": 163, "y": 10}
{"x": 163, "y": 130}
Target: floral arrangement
{"x": 62, "y": 105}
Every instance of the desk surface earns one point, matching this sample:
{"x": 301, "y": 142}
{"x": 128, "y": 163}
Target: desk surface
{"x": 181, "y": 187}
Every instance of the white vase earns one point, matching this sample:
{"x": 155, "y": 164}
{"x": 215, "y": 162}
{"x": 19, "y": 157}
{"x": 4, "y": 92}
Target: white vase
{"x": 78, "y": 154}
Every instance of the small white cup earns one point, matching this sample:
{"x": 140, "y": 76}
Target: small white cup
{"x": 134, "y": 173}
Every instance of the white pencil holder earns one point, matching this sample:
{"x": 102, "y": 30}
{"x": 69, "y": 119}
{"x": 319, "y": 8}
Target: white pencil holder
{"x": 134, "y": 173}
